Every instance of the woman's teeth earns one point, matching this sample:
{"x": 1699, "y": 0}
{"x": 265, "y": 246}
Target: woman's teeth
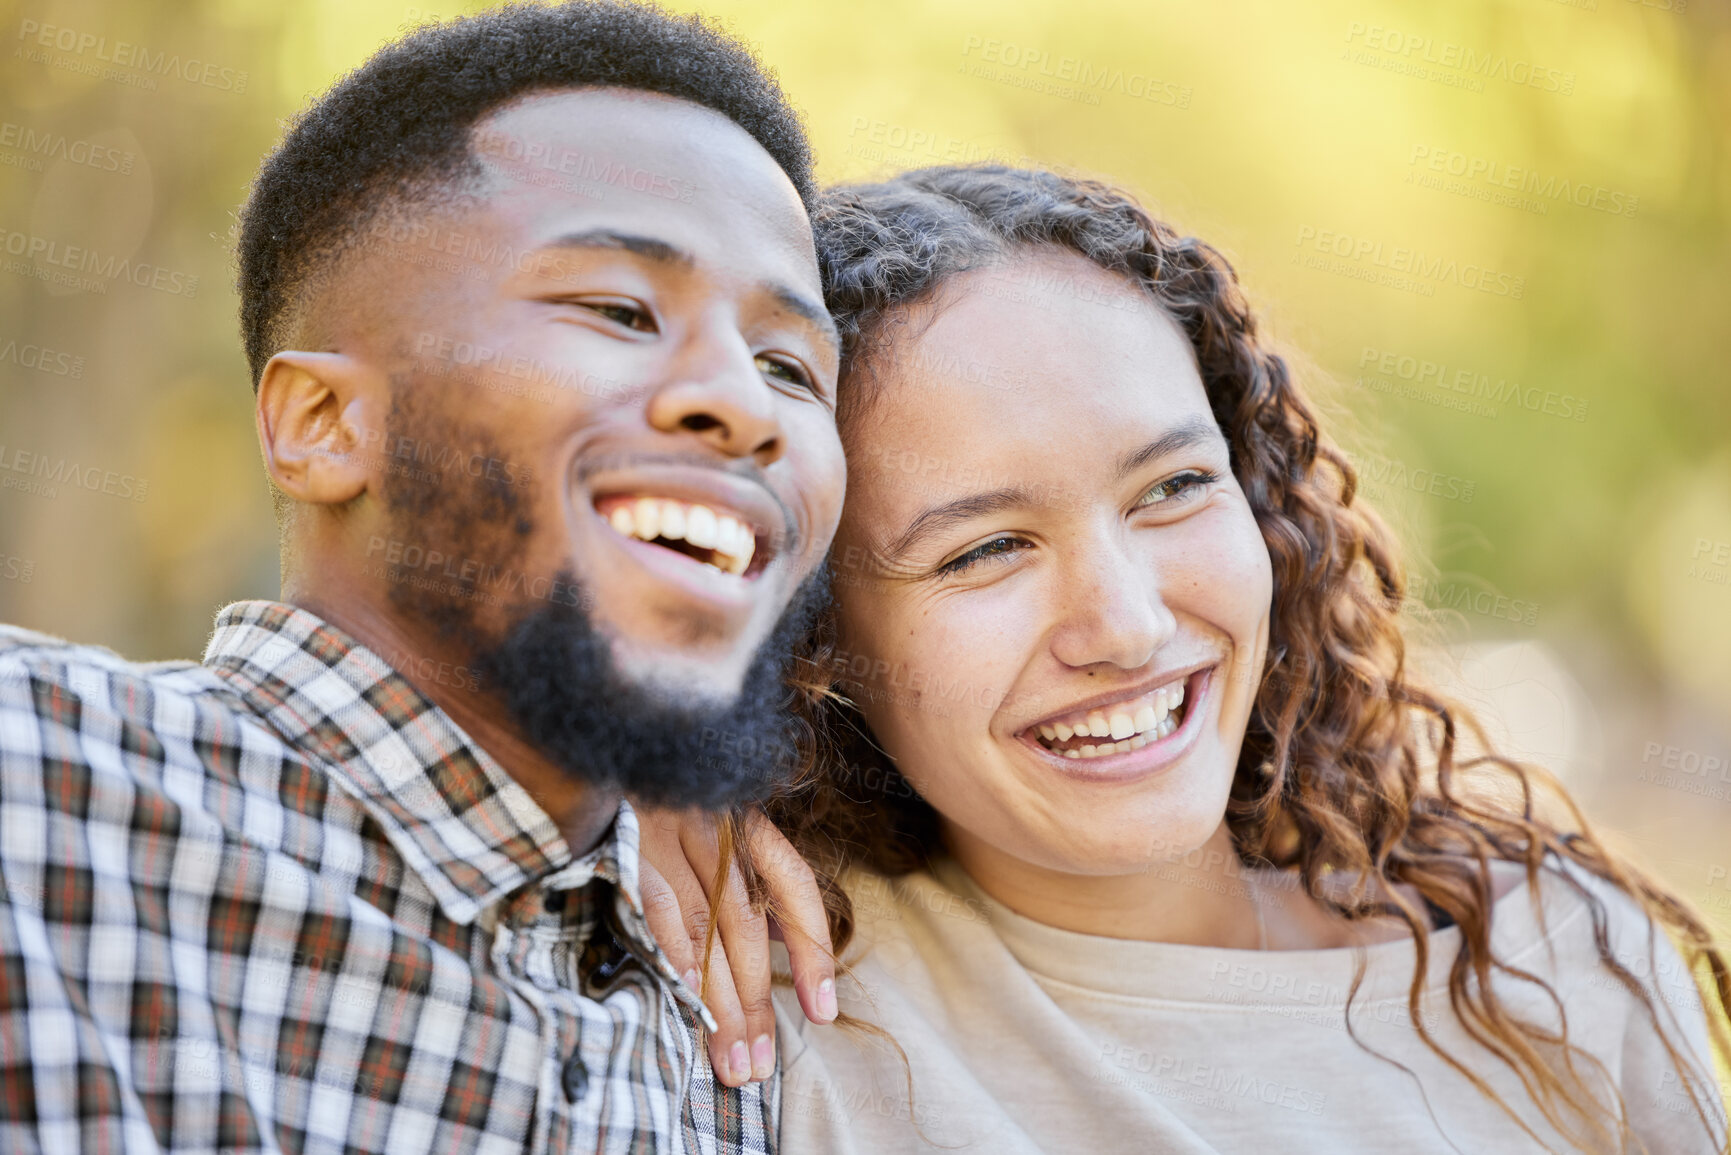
{"x": 720, "y": 540}
{"x": 1128, "y": 725}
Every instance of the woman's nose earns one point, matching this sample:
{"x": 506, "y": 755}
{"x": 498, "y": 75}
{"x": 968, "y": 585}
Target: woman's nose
{"x": 1113, "y": 611}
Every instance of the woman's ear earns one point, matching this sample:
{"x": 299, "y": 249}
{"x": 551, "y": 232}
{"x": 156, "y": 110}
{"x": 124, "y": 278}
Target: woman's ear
{"x": 314, "y": 415}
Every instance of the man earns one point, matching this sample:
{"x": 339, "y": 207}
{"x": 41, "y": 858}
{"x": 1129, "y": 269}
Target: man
{"x": 544, "y": 389}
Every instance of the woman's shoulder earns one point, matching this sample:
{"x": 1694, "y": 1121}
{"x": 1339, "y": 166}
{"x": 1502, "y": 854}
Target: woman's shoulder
{"x": 1570, "y": 897}
{"x": 921, "y": 951}
{"x": 1584, "y": 928}
{"x": 913, "y": 932}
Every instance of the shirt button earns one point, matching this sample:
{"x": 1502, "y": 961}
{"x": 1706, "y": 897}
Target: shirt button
{"x": 575, "y": 1077}
{"x": 554, "y": 902}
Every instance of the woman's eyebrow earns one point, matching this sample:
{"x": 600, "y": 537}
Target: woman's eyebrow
{"x": 1191, "y": 431}
{"x": 936, "y": 517}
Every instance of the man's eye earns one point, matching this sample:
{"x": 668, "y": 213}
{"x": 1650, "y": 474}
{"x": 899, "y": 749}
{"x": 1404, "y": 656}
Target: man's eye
{"x": 627, "y": 315}
{"x": 1178, "y": 490}
{"x": 788, "y": 371}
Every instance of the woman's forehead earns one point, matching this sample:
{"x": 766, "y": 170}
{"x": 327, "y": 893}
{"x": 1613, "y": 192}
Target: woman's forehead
{"x": 1047, "y": 350}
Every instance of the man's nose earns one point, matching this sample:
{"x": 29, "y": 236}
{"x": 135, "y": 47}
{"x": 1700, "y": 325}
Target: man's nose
{"x": 716, "y": 392}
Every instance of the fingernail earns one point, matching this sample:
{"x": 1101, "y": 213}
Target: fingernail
{"x": 739, "y": 1062}
{"x": 826, "y": 1000}
{"x": 762, "y": 1058}
{"x": 693, "y": 980}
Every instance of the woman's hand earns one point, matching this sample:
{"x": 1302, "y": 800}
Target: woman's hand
{"x": 680, "y": 852}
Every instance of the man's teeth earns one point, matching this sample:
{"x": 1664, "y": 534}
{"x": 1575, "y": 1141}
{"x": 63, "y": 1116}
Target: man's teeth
{"x": 672, "y": 521}
{"x": 1130, "y": 725}
{"x": 700, "y": 527}
{"x": 731, "y": 543}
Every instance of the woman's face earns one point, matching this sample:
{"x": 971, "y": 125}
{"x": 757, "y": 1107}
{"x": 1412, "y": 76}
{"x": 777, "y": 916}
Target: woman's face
{"x": 1053, "y": 598}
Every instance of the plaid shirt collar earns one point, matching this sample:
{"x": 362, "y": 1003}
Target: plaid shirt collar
{"x": 460, "y": 822}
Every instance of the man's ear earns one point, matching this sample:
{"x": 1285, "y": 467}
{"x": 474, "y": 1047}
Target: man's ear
{"x": 316, "y": 415}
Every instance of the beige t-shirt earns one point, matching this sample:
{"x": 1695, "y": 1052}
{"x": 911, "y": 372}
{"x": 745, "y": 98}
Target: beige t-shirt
{"x": 1024, "y": 1038}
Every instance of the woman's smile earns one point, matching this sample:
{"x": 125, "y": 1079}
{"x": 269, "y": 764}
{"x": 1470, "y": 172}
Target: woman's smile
{"x": 1125, "y": 739}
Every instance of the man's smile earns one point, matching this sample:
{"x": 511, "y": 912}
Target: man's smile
{"x": 718, "y": 537}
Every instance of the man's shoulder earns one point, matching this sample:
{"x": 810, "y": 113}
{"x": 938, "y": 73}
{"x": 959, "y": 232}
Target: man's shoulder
{"x": 28, "y": 655}
{"x": 83, "y": 729}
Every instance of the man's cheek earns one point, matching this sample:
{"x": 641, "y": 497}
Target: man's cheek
{"x": 820, "y": 481}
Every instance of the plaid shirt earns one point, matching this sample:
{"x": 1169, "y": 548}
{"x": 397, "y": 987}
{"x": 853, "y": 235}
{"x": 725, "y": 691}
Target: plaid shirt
{"x": 280, "y": 901}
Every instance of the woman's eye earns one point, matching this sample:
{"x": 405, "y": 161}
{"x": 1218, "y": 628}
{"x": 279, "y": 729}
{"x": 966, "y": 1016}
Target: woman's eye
{"x": 1176, "y": 490}
{"x": 627, "y": 315}
{"x": 996, "y": 549}
{"x": 787, "y": 371}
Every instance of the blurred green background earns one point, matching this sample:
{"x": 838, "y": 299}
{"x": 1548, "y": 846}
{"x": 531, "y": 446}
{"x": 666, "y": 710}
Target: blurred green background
{"x": 1496, "y": 233}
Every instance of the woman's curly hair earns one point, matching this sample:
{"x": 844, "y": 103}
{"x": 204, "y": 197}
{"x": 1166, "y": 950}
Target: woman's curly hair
{"x": 1349, "y": 766}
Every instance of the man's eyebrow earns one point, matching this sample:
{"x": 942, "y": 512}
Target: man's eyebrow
{"x": 662, "y": 253}
{"x": 807, "y": 310}
{"x": 936, "y": 517}
{"x": 1192, "y": 431}
{"x": 649, "y": 248}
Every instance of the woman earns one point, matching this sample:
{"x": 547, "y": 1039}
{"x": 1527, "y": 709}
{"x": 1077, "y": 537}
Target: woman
{"x": 1136, "y": 833}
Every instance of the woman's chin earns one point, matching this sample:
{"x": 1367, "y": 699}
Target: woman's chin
{"x": 1116, "y": 847}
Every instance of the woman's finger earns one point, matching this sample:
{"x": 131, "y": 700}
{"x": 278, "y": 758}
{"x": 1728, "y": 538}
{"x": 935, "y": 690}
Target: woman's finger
{"x": 676, "y": 904}
{"x": 744, "y": 930}
{"x": 673, "y": 897}
{"x": 728, "y": 1052}
{"x": 661, "y": 910}
{"x": 803, "y": 922}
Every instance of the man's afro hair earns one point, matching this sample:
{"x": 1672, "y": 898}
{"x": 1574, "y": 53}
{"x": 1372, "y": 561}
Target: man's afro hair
{"x": 397, "y": 128}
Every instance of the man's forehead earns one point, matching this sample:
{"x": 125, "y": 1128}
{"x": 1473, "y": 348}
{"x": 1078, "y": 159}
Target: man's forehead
{"x": 622, "y": 123}
{"x": 627, "y": 149}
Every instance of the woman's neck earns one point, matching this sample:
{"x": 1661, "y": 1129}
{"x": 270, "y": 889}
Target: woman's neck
{"x": 1207, "y": 897}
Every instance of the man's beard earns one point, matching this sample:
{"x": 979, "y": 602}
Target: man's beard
{"x": 553, "y": 669}
{"x": 556, "y": 675}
